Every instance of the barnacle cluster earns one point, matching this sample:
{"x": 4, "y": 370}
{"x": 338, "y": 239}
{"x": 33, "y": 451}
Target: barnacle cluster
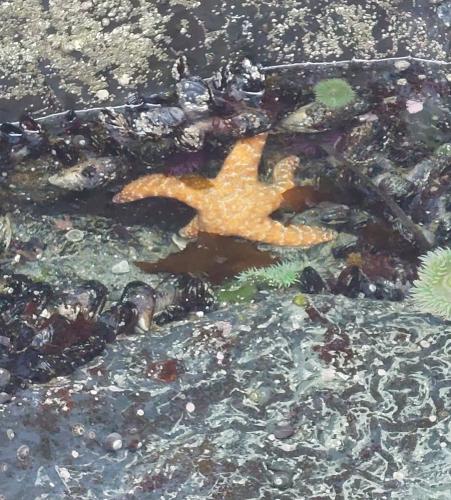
{"x": 432, "y": 290}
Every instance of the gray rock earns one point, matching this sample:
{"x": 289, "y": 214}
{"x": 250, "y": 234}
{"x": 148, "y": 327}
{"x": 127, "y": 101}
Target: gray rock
{"x": 377, "y": 385}
{"x": 5, "y": 377}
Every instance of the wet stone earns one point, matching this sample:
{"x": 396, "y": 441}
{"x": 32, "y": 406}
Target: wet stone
{"x": 283, "y": 430}
{"x": 4, "y": 341}
{"x": 5, "y": 377}
{"x": 5, "y": 397}
{"x": 121, "y": 267}
{"x": 444, "y": 13}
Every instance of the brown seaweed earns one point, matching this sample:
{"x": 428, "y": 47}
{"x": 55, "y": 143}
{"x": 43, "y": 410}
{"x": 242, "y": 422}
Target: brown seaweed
{"x": 214, "y": 257}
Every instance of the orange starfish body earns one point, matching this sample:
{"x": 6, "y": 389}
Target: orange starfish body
{"x": 236, "y": 203}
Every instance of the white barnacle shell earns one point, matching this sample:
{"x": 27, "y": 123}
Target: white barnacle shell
{"x": 432, "y": 291}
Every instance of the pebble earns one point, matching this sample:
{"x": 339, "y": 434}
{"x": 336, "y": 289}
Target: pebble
{"x": 402, "y": 65}
{"x": 113, "y": 442}
{"x": 5, "y": 377}
{"x": 74, "y": 235}
{"x": 283, "y": 430}
{"x": 398, "y": 475}
{"x": 102, "y": 95}
{"x": 124, "y": 79}
{"x": 5, "y": 341}
{"x": 444, "y": 13}
{"x": 121, "y": 267}
{"x": 5, "y": 398}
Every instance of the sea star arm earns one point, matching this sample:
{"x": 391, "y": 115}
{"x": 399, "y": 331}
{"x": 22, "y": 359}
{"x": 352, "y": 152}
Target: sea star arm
{"x": 191, "y": 230}
{"x": 243, "y": 160}
{"x": 158, "y": 185}
{"x": 275, "y": 233}
{"x": 283, "y": 174}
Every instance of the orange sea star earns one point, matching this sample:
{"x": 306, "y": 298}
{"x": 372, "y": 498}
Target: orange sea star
{"x": 235, "y": 203}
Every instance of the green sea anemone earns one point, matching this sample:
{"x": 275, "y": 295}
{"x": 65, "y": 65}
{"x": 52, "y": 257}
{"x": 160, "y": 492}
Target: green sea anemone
{"x": 432, "y": 291}
{"x": 282, "y": 275}
{"x": 334, "y": 93}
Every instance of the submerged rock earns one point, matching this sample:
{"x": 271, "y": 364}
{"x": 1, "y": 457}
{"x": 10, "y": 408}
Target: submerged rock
{"x": 311, "y": 381}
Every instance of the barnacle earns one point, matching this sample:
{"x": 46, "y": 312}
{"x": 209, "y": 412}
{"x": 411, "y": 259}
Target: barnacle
{"x": 334, "y": 93}
{"x": 281, "y": 275}
{"x": 432, "y": 291}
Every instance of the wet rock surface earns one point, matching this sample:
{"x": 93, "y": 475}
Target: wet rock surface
{"x": 343, "y": 397}
{"x": 76, "y": 54}
{"x": 343, "y": 393}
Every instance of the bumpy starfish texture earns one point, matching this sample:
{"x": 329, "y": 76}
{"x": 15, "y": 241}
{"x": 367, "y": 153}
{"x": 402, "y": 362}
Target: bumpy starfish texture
{"x": 235, "y": 203}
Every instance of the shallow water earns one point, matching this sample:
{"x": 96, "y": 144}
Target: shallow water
{"x": 328, "y": 381}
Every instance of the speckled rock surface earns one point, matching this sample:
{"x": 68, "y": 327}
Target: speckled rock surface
{"x": 261, "y": 401}
{"x": 58, "y": 54}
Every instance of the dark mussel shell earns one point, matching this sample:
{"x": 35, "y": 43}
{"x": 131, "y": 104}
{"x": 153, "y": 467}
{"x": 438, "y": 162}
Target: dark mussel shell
{"x": 36, "y": 347}
{"x": 87, "y": 298}
{"x": 20, "y": 334}
{"x": 59, "y": 333}
{"x": 63, "y": 356}
{"x": 20, "y": 296}
{"x": 193, "y": 96}
{"x": 65, "y": 152}
{"x": 121, "y": 318}
{"x": 28, "y": 124}
{"x": 143, "y": 297}
{"x": 195, "y": 294}
{"x": 13, "y": 134}
{"x": 159, "y": 121}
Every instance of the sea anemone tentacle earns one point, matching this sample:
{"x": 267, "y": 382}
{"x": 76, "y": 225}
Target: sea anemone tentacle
{"x": 432, "y": 291}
